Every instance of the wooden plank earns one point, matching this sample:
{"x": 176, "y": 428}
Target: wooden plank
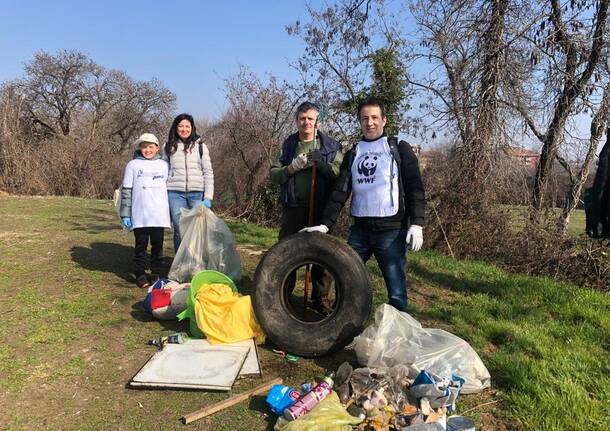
{"x": 221, "y": 405}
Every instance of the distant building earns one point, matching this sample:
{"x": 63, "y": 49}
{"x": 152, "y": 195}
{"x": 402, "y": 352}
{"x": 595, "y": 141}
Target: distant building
{"x": 529, "y": 158}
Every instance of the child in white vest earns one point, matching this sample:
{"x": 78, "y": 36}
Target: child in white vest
{"x": 144, "y": 206}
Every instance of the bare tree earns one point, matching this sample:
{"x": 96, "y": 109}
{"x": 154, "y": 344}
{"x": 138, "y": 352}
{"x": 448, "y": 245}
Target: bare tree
{"x": 69, "y": 87}
{"x": 337, "y": 66}
{"x": 578, "y": 179}
{"x": 247, "y": 139}
{"x": 66, "y": 105}
{"x": 140, "y": 106}
{"x": 55, "y": 88}
{"x": 566, "y": 48}
{"x": 461, "y": 62}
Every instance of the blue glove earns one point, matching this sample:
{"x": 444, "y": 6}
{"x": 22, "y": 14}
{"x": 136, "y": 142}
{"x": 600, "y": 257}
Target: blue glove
{"x": 207, "y": 203}
{"x": 126, "y": 222}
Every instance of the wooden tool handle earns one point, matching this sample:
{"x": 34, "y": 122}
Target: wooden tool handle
{"x": 206, "y": 411}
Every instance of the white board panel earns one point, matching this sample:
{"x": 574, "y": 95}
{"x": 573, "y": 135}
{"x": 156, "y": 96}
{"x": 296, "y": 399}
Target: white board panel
{"x": 193, "y": 365}
{"x": 251, "y": 365}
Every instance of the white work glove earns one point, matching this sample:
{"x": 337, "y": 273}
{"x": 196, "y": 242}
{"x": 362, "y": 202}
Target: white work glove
{"x": 298, "y": 163}
{"x": 319, "y": 228}
{"x": 415, "y": 236}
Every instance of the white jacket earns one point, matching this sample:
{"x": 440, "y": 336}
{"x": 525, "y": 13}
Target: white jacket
{"x": 190, "y": 173}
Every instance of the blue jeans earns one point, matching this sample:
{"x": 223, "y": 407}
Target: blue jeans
{"x": 177, "y": 201}
{"x": 390, "y": 249}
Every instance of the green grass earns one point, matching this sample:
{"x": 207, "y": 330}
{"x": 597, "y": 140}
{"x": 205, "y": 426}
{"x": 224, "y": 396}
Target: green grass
{"x": 248, "y": 233}
{"x": 74, "y": 331}
{"x": 576, "y": 227}
{"x": 545, "y": 343}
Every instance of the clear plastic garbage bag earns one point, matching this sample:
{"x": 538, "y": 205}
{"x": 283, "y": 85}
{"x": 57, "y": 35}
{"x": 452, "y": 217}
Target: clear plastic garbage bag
{"x": 207, "y": 243}
{"x": 397, "y": 338}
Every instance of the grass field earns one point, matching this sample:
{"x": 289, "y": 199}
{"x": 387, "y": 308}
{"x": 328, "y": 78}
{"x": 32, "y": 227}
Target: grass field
{"x": 74, "y": 332}
{"x": 576, "y": 227}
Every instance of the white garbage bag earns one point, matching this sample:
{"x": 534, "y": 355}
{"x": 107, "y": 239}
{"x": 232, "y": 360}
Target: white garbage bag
{"x": 207, "y": 243}
{"x": 397, "y": 338}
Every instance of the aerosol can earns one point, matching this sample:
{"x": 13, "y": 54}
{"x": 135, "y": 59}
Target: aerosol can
{"x": 308, "y": 401}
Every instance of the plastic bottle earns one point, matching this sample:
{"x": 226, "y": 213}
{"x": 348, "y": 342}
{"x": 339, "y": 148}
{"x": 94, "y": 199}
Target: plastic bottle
{"x": 177, "y": 338}
{"x": 307, "y": 401}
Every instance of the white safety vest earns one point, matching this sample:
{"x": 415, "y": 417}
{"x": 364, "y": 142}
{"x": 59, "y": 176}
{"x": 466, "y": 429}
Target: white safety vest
{"x": 374, "y": 180}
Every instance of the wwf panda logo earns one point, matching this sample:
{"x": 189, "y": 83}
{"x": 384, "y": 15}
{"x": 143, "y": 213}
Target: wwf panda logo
{"x": 367, "y": 166}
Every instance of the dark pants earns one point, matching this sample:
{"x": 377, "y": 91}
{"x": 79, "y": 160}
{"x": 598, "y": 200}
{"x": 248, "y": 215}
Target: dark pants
{"x": 142, "y": 235}
{"x": 293, "y": 220}
{"x": 389, "y": 248}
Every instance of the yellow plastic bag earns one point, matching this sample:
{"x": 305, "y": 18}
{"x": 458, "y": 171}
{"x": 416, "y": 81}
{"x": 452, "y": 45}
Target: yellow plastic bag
{"x": 224, "y": 316}
{"x": 328, "y": 415}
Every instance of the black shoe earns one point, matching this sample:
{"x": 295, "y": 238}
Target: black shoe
{"x": 142, "y": 281}
{"x": 323, "y": 307}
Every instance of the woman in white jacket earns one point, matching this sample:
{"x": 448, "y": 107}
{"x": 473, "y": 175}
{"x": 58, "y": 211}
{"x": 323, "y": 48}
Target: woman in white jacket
{"x": 191, "y": 179}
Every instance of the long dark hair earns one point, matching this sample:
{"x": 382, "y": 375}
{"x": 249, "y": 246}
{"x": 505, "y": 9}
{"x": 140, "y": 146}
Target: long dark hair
{"x": 172, "y": 139}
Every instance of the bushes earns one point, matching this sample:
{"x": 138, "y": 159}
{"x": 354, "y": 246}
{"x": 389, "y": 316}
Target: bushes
{"x": 59, "y": 166}
{"x": 516, "y": 238}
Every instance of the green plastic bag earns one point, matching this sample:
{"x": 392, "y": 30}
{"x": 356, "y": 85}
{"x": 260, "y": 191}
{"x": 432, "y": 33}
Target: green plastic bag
{"x": 328, "y": 415}
{"x": 202, "y": 277}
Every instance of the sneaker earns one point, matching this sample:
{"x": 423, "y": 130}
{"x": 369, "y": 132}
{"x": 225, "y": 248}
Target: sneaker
{"x": 142, "y": 282}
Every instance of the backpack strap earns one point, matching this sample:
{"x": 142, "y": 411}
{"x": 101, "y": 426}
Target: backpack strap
{"x": 200, "y": 150}
{"x": 393, "y": 141}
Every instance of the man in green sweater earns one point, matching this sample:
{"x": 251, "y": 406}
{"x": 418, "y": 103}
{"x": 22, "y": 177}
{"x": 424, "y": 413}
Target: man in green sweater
{"x": 292, "y": 171}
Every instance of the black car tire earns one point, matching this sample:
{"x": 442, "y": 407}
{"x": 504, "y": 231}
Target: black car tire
{"x": 353, "y": 299}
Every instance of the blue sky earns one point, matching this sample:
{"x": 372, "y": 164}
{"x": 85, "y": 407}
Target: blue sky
{"x": 190, "y": 46}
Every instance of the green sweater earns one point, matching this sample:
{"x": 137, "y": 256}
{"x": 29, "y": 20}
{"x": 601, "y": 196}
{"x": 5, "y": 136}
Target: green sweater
{"x": 279, "y": 174}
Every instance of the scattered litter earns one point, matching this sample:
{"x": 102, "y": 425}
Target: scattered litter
{"x": 178, "y": 338}
{"x": 368, "y": 399}
{"x": 397, "y": 338}
{"x": 438, "y": 392}
{"x": 292, "y": 358}
{"x": 306, "y": 402}
{"x": 281, "y": 397}
{"x": 288, "y": 357}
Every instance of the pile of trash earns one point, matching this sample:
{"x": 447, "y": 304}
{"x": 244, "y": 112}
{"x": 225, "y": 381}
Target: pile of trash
{"x": 367, "y": 399}
{"x": 410, "y": 382}
{"x": 409, "y": 378}
{"x": 223, "y": 335}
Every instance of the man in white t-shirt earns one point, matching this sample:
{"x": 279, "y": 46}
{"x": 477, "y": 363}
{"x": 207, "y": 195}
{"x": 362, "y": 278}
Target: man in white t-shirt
{"x": 388, "y": 200}
{"x": 144, "y": 206}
